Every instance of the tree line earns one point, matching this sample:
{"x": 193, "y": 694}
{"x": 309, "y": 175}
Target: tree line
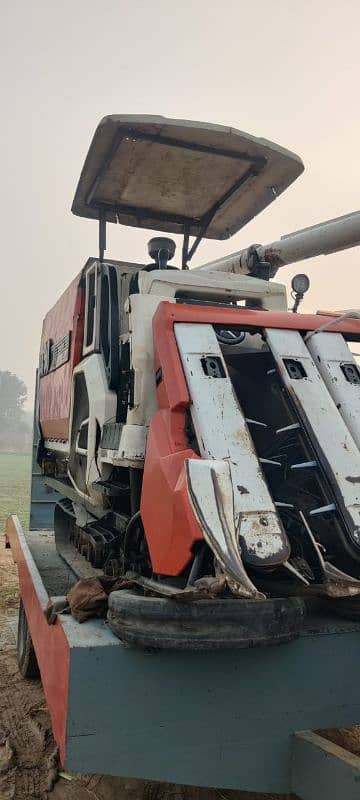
{"x": 15, "y": 424}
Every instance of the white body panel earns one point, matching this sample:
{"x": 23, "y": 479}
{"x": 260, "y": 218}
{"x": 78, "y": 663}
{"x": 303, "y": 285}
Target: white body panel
{"x": 57, "y": 446}
{"x": 222, "y": 435}
{"x": 336, "y": 447}
{"x": 162, "y": 285}
{"x": 102, "y": 408}
{"x": 214, "y": 286}
{"x": 330, "y": 351}
{"x": 131, "y": 450}
{"x": 141, "y": 311}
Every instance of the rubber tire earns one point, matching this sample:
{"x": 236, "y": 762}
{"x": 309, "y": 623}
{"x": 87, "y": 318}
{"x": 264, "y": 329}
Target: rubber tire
{"x": 26, "y": 656}
{"x": 153, "y": 622}
{"x": 346, "y": 607}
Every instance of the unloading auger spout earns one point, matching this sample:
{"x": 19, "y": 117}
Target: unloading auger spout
{"x": 260, "y": 260}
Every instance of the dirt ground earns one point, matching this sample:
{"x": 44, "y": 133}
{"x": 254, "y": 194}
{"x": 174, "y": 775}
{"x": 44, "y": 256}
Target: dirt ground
{"x": 29, "y": 765}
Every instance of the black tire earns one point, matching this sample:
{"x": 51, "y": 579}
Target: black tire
{"x": 153, "y": 622}
{"x": 26, "y": 656}
{"x": 346, "y": 607}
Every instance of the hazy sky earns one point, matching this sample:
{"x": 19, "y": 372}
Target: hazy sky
{"x": 285, "y": 70}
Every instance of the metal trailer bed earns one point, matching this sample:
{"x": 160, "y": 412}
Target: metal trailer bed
{"x": 234, "y": 719}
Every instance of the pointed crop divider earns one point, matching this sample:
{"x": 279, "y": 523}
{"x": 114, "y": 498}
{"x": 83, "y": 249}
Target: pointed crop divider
{"x": 308, "y": 529}
{"x": 304, "y": 465}
{"x": 269, "y": 461}
{"x": 287, "y": 428}
{"x": 295, "y": 572}
{"x": 317, "y": 547}
{"x": 256, "y": 422}
{"x": 322, "y": 509}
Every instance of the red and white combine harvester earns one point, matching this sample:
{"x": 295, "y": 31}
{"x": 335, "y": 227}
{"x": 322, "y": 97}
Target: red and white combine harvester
{"x": 204, "y": 439}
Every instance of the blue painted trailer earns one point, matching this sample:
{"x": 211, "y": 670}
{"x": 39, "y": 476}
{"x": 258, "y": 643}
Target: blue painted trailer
{"x": 239, "y": 719}
{"x": 224, "y": 719}
{"x": 43, "y": 498}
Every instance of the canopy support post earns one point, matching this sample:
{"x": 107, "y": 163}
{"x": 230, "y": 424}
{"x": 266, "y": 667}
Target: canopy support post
{"x": 209, "y": 216}
{"x": 185, "y": 249}
{"x": 102, "y": 234}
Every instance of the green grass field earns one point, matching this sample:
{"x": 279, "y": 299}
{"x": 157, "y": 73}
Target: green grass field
{"x": 15, "y": 471}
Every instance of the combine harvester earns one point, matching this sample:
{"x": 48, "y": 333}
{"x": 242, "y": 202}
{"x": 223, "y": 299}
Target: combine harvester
{"x": 202, "y": 446}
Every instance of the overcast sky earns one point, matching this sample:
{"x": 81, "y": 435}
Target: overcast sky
{"x": 285, "y": 70}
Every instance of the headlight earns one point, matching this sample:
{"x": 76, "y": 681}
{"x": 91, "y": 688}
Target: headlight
{"x": 300, "y": 283}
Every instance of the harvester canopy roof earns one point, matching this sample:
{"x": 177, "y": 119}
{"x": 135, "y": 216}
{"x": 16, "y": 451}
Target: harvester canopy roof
{"x": 180, "y": 176}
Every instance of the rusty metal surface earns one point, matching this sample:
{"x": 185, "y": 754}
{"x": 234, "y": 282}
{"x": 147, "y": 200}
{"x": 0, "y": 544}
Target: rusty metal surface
{"x": 229, "y": 554}
{"x": 205, "y": 588}
{"x": 164, "y": 174}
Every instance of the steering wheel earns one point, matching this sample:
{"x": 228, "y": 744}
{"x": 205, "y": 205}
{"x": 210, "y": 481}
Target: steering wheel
{"x": 230, "y": 336}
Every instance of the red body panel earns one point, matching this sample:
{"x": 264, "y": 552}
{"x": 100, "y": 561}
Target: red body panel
{"x": 169, "y": 313}
{"x": 50, "y": 641}
{"x": 170, "y": 524}
{"x": 55, "y": 387}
